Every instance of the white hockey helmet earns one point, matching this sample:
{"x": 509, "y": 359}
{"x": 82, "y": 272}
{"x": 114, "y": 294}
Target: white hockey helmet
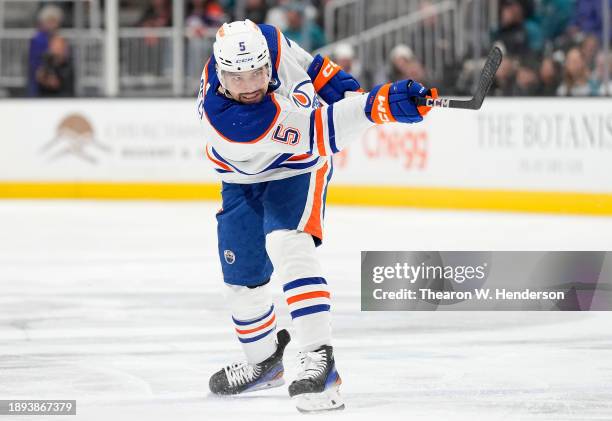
{"x": 240, "y": 47}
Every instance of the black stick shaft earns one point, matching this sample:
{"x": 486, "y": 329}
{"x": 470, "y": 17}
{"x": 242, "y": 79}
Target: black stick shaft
{"x": 484, "y": 83}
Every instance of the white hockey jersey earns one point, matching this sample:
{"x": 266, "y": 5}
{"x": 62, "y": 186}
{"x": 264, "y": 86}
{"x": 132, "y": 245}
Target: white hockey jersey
{"x": 289, "y": 133}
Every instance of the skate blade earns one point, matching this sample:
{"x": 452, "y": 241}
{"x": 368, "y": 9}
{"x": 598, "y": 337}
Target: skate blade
{"x": 328, "y": 400}
{"x": 270, "y": 384}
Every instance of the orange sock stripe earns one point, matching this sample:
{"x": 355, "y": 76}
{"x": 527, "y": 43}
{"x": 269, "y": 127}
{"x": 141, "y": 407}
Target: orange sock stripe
{"x": 307, "y": 295}
{"x": 265, "y": 325}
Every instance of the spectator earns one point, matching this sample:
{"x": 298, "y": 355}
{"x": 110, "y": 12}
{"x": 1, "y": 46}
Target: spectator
{"x": 49, "y": 20}
{"x": 599, "y": 74}
{"x": 277, "y": 15}
{"x": 203, "y": 19}
{"x": 55, "y": 76}
{"x": 308, "y": 34}
{"x": 588, "y": 18}
{"x": 518, "y": 36}
{"x": 203, "y": 15}
{"x": 588, "y": 48}
{"x": 504, "y": 78}
{"x": 575, "y": 75}
{"x": 256, "y": 10}
{"x": 554, "y": 17}
{"x": 157, "y": 15}
{"x": 549, "y": 77}
{"x": 405, "y": 65}
{"x": 344, "y": 56}
{"x": 158, "y": 58}
{"x": 526, "y": 80}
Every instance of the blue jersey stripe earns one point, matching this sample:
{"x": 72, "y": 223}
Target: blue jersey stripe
{"x": 276, "y": 163}
{"x": 279, "y": 162}
{"x": 331, "y": 129}
{"x": 311, "y": 131}
{"x": 220, "y": 158}
{"x": 300, "y": 165}
{"x": 329, "y": 176}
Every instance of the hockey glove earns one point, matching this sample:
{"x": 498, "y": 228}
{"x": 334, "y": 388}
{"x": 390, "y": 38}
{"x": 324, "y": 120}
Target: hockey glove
{"x": 329, "y": 80}
{"x": 395, "y": 102}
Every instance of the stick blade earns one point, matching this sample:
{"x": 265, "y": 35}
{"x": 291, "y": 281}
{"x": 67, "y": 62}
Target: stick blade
{"x": 487, "y": 76}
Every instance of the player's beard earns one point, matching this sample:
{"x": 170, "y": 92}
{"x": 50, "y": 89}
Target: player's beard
{"x": 252, "y": 97}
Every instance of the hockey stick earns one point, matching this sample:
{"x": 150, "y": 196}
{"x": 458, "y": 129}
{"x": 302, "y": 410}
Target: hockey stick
{"x": 486, "y": 79}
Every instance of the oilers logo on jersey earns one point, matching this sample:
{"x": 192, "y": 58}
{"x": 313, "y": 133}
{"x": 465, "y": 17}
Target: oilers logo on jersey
{"x": 300, "y": 95}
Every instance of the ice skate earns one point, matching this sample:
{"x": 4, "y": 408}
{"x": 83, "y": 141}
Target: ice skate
{"x": 316, "y": 388}
{"x": 244, "y": 377}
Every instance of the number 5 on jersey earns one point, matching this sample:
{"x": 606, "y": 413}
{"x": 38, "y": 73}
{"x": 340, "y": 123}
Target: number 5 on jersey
{"x": 287, "y": 135}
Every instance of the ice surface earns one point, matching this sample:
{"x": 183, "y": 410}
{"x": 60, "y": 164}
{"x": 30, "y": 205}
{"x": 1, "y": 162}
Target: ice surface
{"x": 119, "y": 305}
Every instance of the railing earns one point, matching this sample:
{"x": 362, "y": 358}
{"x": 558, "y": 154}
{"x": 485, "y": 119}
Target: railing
{"x": 86, "y": 42}
{"x": 440, "y": 33}
{"x": 147, "y": 61}
{"x": 345, "y": 18}
{"x": 432, "y": 33}
{"x": 86, "y": 47}
{"x": 166, "y": 61}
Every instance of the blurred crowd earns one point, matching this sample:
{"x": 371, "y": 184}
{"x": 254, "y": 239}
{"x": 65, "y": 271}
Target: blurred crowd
{"x": 205, "y": 16}
{"x": 50, "y": 59}
{"x": 50, "y": 66}
{"x": 552, "y": 47}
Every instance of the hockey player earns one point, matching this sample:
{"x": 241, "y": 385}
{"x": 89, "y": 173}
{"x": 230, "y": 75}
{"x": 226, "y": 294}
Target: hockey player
{"x": 270, "y": 139}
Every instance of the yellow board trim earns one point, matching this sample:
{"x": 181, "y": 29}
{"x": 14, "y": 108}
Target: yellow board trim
{"x": 419, "y": 197}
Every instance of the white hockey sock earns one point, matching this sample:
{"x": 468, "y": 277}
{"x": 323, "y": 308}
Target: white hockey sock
{"x": 254, "y": 321}
{"x": 293, "y": 256}
{"x": 309, "y": 305}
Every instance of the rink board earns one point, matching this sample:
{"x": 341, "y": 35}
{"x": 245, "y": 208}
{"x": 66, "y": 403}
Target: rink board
{"x": 548, "y": 155}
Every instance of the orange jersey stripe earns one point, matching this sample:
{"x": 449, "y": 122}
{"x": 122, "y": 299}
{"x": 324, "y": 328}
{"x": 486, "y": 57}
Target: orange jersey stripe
{"x": 319, "y": 132}
{"x": 278, "y": 53}
{"x": 381, "y": 112}
{"x": 206, "y": 74}
{"x": 263, "y": 326}
{"x": 307, "y": 295}
{"x": 328, "y": 70}
{"x": 299, "y": 157}
{"x": 219, "y": 163}
{"x": 313, "y": 226}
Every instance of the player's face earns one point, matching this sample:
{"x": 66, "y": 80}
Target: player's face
{"x": 247, "y": 87}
